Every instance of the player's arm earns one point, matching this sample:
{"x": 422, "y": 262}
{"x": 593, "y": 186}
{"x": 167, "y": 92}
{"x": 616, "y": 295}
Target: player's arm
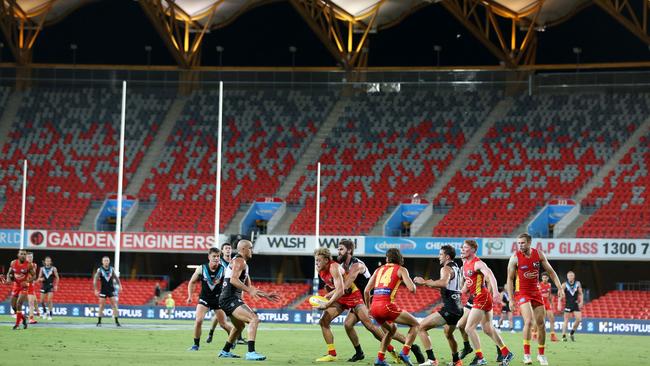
{"x": 560, "y": 290}
{"x": 369, "y": 287}
{"x": 117, "y": 279}
{"x": 32, "y": 273}
{"x": 443, "y": 281}
{"x": 406, "y": 279}
{"x": 95, "y": 279}
{"x": 190, "y": 285}
{"x": 580, "y": 297}
{"x": 354, "y": 271}
{"x": 510, "y": 287}
{"x": 337, "y": 276}
{"x": 551, "y": 272}
{"x": 10, "y": 272}
{"x": 56, "y": 278}
{"x": 40, "y": 275}
{"x": 492, "y": 281}
{"x": 238, "y": 266}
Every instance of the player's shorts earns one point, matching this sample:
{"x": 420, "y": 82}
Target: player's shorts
{"x": 506, "y": 308}
{"x": 351, "y": 301}
{"x": 535, "y": 298}
{"x": 229, "y": 304}
{"x": 107, "y": 294}
{"x": 18, "y": 289}
{"x": 46, "y": 289}
{"x": 450, "y": 317}
{"x": 547, "y": 304}
{"x": 31, "y": 289}
{"x": 469, "y": 304}
{"x": 483, "y": 302}
{"x": 384, "y": 312}
{"x": 212, "y": 304}
{"x": 571, "y": 307}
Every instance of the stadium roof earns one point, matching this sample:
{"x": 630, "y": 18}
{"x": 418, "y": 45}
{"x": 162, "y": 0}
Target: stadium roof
{"x": 506, "y": 27}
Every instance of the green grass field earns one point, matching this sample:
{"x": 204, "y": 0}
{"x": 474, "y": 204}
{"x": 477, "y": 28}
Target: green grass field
{"x": 76, "y": 341}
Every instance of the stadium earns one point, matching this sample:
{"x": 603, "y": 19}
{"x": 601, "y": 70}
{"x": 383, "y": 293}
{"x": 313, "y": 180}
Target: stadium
{"x": 137, "y": 136}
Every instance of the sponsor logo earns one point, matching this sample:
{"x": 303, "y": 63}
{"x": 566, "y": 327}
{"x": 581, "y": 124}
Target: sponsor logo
{"x": 75, "y": 311}
{"x": 496, "y": 246}
{"x": 404, "y": 245}
{"x": 274, "y": 317}
{"x": 287, "y": 242}
{"x": 531, "y": 275}
{"x": 469, "y": 282}
{"x": 333, "y": 243}
{"x": 2, "y": 309}
{"x": 524, "y": 267}
{"x": 36, "y": 238}
{"x": 623, "y": 327}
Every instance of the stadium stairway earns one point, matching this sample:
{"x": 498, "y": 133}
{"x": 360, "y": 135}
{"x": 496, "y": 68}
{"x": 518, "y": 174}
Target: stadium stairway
{"x": 233, "y": 226}
{"x": 312, "y": 152}
{"x": 284, "y": 224}
{"x": 498, "y": 112}
{"x": 599, "y": 177}
{"x": 157, "y": 145}
{"x": 9, "y": 115}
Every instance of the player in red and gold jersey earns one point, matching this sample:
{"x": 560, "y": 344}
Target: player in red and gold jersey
{"x": 476, "y": 273}
{"x": 523, "y": 270}
{"x": 547, "y": 296}
{"x": 21, "y": 273}
{"x": 385, "y": 282}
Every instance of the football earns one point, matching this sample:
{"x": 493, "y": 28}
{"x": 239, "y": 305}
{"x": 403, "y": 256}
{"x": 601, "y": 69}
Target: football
{"x": 317, "y": 300}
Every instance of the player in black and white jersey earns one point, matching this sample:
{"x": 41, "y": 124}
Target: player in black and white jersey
{"x": 450, "y": 285}
{"x": 506, "y": 312}
{"x": 226, "y": 252}
{"x": 211, "y": 276}
{"x": 236, "y": 280}
{"x": 106, "y": 275}
{"x": 48, "y": 276}
{"x": 573, "y": 303}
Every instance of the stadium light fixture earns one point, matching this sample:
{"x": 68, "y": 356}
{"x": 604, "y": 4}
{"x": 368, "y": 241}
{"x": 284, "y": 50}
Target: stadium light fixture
{"x": 577, "y": 51}
{"x": 437, "y": 49}
{"x": 147, "y": 49}
{"x": 293, "y": 51}
{"x": 220, "y": 50}
{"x": 73, "y": 47}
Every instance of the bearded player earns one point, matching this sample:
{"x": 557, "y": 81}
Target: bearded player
{"x": 523, "y": 270}
{"x": 21, "y": 273}
{"x": 384, "y": 283}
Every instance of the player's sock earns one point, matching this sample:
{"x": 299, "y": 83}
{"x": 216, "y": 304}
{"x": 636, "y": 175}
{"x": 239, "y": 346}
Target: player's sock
{"x": 99, "y": 320}
{"x": 358, "y": 349}
{"x": 572, "y": 332}
{"x": 197, "y": 341}
{"x": 44, "y": 308}
{"x": 390, "y": 348}
{"x": 466, "y": 345}
{"x": 540, "y": 350}
{"x": 251, "y": 346}
{"x": 19, "y": 316}
{"x": 526, "y": 347}
{"x": 381, "y": 356}
{"x": 211, "y": 332}
{"x": 430, "y": 355}
{"x": 479, "y": 354}
{"x": 504, "y": 350}
{"x": 455, "y": 357}
{"x": 227, "y": 347}
{"x": 331, "y": 350}
{"x": 406, "y": 350}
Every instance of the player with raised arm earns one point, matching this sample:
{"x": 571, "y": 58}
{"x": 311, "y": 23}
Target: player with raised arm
{"x": 106, "y": 276}
{"x": 355, "y": 279}
{"x": 48, "y": 277}
{"x": 236, "y": 280}
{"x": 20, "y": 273}
{"x": 211, "y": 276}
{"x": 450, "y": 284}
{"x": 523, "y": 271}
{"x": 476, "y": 272}
{"x": 384, "y": 284}
{"x": 572, "y": 291}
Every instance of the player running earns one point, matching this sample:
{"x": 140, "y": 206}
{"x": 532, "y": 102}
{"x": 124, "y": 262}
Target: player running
{"x": 211, "y": 277}
{"x": 572, "y": 290}
{"x": 106, "y": 276}
{"x": 48, "y": 277}
{"x": 21, "y": 273}
{"x": 385, "y": 282}
{"x": 523, "y": 268}
{"x": 236, "y": 280}
{"x": 547, "y": 296}
{"x": 450, "y": 285}
{"x": 475, "y": 272}
{"x": 31, "y": 291}
{"x": 355, "y": 279}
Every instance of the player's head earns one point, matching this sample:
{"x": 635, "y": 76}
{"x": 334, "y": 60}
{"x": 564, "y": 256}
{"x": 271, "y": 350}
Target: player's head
{"x": 346, "y": 248}
{"x": 545, "y": 277}
{"x": 245, "y": 249}
{"x": 47, "y": 261}
{"x": 570, "y": 276}
{"x": 523, "y": 242}
{"x": 322, "y": 257}
{"x": 469, "y": 248}
{"x": 213, "y": 255}
{"x": 393, "y": 255}
{"x": 30, "y": 257}
{"x": 22, "y": 255}
{"x": 106, "y": 261}
{"x": 169, "y": 295}
{"x": 447, "y": 253}
{"x": 226, "y": 250}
